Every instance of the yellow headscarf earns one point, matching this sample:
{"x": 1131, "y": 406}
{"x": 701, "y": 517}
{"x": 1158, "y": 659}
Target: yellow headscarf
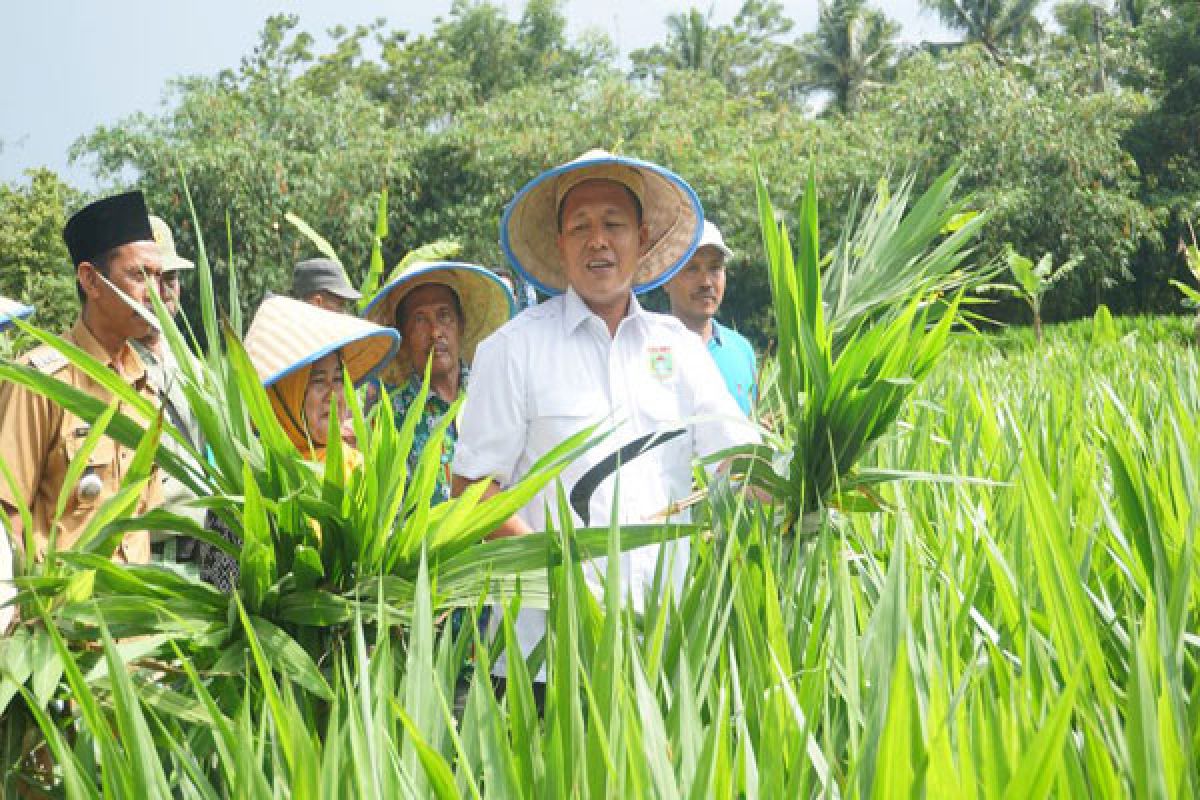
{"x": 287, "y": 398}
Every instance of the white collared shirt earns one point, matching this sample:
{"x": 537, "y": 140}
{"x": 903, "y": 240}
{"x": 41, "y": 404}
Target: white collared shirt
{"x": 553, "y": 371}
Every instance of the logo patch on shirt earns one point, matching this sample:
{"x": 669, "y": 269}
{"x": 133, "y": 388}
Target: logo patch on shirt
{"x": 662, "y": 362}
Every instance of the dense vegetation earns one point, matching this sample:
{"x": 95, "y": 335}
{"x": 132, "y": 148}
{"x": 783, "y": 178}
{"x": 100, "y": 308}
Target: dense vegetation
{"x": 977, "y": 577}
{"x": 1080, "y": 136}
{"x": 1021, "y": 623}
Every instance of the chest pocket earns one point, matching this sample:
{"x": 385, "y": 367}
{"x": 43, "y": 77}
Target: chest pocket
{"x": 565, "y": 411}
{"x": 98, "y": 478}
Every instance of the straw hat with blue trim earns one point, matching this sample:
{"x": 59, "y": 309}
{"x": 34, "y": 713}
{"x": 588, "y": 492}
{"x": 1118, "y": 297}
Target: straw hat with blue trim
{"x": 10, "y": 310}
{"x": 670, "y": 210}
{"x": 486, "y": 305}
{"x": 287, "y": 336}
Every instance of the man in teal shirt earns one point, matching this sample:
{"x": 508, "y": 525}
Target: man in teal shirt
{"x": 696, "y": 292}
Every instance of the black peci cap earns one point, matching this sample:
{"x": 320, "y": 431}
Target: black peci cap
{"x": 100, "y": 226}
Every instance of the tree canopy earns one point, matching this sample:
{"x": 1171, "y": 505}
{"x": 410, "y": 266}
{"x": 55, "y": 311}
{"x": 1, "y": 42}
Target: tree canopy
{"x": 1082, "y": 144}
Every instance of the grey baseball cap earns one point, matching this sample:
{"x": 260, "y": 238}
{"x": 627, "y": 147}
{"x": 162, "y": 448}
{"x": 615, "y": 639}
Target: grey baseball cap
{"x": 322, "y": 275}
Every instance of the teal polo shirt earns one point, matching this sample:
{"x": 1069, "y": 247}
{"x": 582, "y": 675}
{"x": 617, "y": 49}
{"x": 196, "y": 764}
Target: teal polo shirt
{"x": 735, "y": 359}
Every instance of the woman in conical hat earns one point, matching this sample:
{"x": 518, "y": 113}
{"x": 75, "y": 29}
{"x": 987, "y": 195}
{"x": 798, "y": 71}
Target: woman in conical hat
{"x": 299, "y": 351}
{"x": 442, "y": 311}
{"x": 10, "y": 310}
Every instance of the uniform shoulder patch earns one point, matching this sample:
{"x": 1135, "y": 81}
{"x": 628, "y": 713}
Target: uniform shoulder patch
{"x": 46, "y": 359}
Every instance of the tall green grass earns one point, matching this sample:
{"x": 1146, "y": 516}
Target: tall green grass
{"x": 1020, "y": 622}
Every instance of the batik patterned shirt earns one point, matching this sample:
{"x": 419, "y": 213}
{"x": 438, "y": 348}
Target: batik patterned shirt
{"x": 435, "y": 409}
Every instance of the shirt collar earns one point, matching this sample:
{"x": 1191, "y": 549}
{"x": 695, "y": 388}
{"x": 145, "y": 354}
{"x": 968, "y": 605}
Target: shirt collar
{"x": 717, "y": 332}
{"x": 575, "y": 311}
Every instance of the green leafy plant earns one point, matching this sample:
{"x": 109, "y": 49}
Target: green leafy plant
{"x": 319, "y": 546}
{"x": 1104, "y": 329}
{"x": 857, "y": 334}
{"x": 1035, "y": 280}
{"x": 1026, "y": 633}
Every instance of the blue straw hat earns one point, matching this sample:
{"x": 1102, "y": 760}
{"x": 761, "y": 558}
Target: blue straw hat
{"x": 487, "y": 303}
{"x": 670, "y": 210}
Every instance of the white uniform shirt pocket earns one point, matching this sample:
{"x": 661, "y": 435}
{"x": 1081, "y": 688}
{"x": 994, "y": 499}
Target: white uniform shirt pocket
{"x": 563, "y": 411}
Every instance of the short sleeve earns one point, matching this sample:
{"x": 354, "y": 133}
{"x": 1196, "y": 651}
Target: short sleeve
{"x": 493, "y": 425}
{"x": 25, "y": 435}
{"x": 752, "y": 361}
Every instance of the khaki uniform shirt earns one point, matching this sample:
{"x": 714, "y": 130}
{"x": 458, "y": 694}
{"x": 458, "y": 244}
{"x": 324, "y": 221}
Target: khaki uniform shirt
{"x": 39, "y": 439}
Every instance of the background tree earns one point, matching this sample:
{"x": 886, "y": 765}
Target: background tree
{"x": 254, "y": 144}
{"x": 692, "y": 43}
{"x": 1166, "y": 140}
{"x": 34, "y": 264}
{"x": 1045, "y": 158}
{"x": 851, "y": 51}
{"x": 748, "y": 55}
{"x": 320, "y": 129}
{"x": 998, "y": 25}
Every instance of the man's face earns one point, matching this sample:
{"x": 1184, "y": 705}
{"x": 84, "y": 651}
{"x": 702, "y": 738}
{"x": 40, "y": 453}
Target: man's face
{"x": 600, "y": 241}
{"x": 329, "y": 301}
{"x": 430, "y": 323}
{"x": 696, "y": 290}
{"x": 325, "y": 380}
{"x": 169, "y": 289}
{"x": 131, "y": 268}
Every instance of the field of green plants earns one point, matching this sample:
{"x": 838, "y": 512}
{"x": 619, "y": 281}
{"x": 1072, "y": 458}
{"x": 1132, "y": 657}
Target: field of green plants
{"x": 978, "y": 580}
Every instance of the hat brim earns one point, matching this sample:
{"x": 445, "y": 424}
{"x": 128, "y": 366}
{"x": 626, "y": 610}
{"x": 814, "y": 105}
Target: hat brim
{"x": 486, "y": 305}
{"x": 176, "y": 264}
{"x": 11, "y": 310}
{"x": 720, "y": 248}
{"x": 362, "y": 355}
{"x": 344, "y": 292}
{"x": 671, "y": 212}
{"x": 288, "y": 335}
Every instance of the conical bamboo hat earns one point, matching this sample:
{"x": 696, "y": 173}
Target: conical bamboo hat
{"x": 670, "y": 210}
{"x": 486, "y": 304}
{"x": 288, "y": 335}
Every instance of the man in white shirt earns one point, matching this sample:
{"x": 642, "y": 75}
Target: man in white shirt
{"x": 594, "y": 232}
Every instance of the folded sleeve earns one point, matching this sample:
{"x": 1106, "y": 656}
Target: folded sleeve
{"x": 493, "y": 425}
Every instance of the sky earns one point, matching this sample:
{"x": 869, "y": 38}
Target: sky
{"x": 69, "y": 66}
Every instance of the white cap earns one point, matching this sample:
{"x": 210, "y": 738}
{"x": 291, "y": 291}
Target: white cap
{"x": 711, "y": 236}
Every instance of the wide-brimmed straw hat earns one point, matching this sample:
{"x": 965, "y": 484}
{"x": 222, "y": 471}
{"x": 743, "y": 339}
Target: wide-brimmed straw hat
{"x": 171, "y": 260}
{"x": 289, "y": 335}
{"x": 487, "y": 303}
{"x": 10, "y": 310}
{"x": 670, "y": 210}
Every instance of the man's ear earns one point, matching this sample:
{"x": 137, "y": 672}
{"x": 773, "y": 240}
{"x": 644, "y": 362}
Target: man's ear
{"x": 643, "y": 238}
{"x": 88, "y": 276}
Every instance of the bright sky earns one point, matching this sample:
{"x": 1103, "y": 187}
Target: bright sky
{"x": 67, "y": 66}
